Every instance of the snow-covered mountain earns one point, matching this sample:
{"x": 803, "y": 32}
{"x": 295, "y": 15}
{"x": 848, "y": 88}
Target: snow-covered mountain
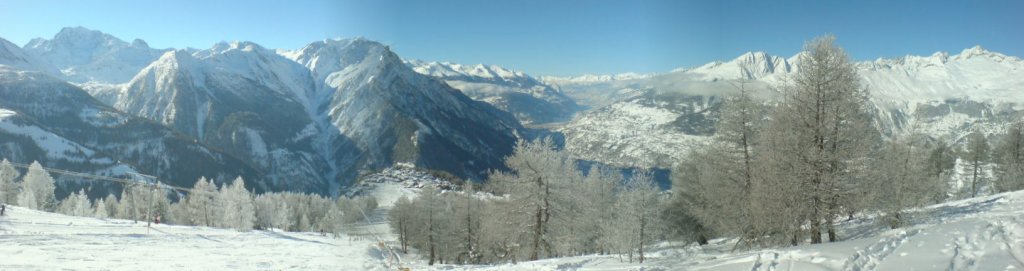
{"x": 48, "y": 120}
{"x": 240, "y": 97}
{"x": 306, "y": 120}
{"x": 526, "y": 97}
{"x": 13, "y": 56}
{"x": 944, "y": 96}
{"x": 594, "y": 78}
{"x": 85, "y": 55}
{"x": 393, "y": 114}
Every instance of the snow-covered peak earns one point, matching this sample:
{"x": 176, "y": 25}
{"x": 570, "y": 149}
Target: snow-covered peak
{"x": 750, "y": 65}
{"x": 174, "y": 59}
{"x": 265, "y": 67}
{"x": 974, "y": 51}
{"x": 473, "y": 73}
{"x": 328, "y": 56}
{"x": 78, "y": 45}
{"x": 85, "y": 55}
{"x": 13, "y": 56}
{"x": 223, "y": 47}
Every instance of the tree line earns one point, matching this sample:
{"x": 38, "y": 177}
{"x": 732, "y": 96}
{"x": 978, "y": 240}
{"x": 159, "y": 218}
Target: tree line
{"x": 543, "y": 207}
{"x": 785, "y": 173}
{"x": 229, "y": 205}
{"x": 775, "y": 174}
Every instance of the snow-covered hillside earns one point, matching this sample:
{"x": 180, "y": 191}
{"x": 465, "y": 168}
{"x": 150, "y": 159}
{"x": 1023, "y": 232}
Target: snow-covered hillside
{"x": 529, "y": 99}
{"x": 984, "y": 233}
{"x": 391, "y": 113}
{"x": 944, "y": 96}
{"x": 35, "y": 240}
{"x": 59, "y": 124}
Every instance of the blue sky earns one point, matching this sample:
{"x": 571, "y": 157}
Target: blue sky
{"x": 545, "y": 36}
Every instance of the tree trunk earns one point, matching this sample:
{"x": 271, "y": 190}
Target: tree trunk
{"x": 536, "y": 235}
{"x": 831, "y": 229}
{"x": 974, "y": 181}
{"x": 815, "y": 222}
{"x": 642, "y": 224}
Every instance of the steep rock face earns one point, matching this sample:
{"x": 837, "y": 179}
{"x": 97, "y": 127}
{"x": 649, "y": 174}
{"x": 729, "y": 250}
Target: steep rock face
{"x": 62, "y": 126}
{"x": 529, "y": 99}
{"x": 85, "y": 55}
{"x": 240, "y": 97}
{"x": 393, "y": 114}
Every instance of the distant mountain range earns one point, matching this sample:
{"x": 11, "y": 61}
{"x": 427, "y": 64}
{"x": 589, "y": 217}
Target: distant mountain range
{"x": 652, "y": 120}
{"x": 316, "y": 118}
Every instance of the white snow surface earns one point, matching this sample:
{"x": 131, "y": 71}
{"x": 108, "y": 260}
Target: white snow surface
{"x": 985, "y": 233}
{"x": 34, "y": 240}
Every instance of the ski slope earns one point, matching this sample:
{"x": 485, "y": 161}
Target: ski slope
{"x": 33, "y": 240}
{"x": 985, "y": 233}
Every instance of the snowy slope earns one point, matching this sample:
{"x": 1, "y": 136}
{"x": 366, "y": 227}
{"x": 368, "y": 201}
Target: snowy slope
{"x": 85, "y": 55}
{"x": 529, "y": 99}
{"x": 984, "y": 233}
{"x": 36, "y": 240}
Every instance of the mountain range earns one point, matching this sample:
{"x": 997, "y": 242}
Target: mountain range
{"x": 309, "y": 120}
{"x": 651, "y": 121}
{"x": 315, "y": 119}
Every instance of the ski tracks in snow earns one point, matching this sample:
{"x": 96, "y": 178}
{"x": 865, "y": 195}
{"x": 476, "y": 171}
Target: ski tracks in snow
{"x": 869, "y": 258}
{"x": 969, "y": 249}
{"x": 767, "y": 261}
{"x": 1011, "y": 232}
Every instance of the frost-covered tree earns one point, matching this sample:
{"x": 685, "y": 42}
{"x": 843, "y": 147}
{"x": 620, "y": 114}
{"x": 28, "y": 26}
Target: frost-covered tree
{"x": 100, "y": 209}
{"x": 465, "y": 225}
{"x": 825, "y": 110}
{"x": 976, "y": 154}
{"x": 200, "y": 203}
{"x": 594, "y": 210}
{"x": 537, "y": 187}
{"x": 331, "y": 222}
{"x": 401, "y": 219}
{"x": 940, "y": 167}
{"x": 707, "y": 204}
{"x": 266, "y": 208}
{"x": 37, "y": 189}
{"x": 110, "y": 204}
{"x": 9, "y": 186}
{"x": 428, "y": 234}
{"x": 76, "y": 204}
{"x": 1010, "y": 166}
{"x": 136, "y": 202}
{"x": 902, "y": 181}
{"x": 639, "y": 208}
{"x": 239, "y": 211}
{"x": 159, "y": 206}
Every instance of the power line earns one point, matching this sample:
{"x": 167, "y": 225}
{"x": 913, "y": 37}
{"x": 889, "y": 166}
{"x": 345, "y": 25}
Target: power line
{"x": 155, "y": 180}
